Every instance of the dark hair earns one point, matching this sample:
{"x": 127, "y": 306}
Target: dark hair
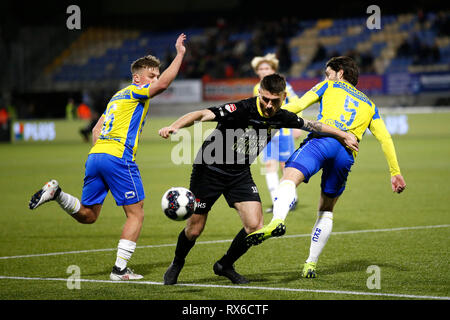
{"x": 145, "y": 62}
{"x": 274, "y": 83}
{"x": 348, "y": 65}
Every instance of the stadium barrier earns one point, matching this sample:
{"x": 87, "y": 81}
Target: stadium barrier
{"x": 387, "y": 84}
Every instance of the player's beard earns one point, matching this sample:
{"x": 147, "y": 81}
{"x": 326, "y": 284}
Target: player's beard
{"x": 269, "y": 112}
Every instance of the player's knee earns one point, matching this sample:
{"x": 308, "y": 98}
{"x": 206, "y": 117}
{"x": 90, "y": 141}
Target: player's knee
{"x": 194, "y": 232}
{"x": 135, "y": 212}
{"x": 253, "y": 226}
{"x": 138, "y": 215}
{"x": 88, "y": 214}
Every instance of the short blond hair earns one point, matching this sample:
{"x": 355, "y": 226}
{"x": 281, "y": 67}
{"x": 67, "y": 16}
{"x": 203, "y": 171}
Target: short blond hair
{"x": 269, "y": 58}
{"x": 145, "y": 62}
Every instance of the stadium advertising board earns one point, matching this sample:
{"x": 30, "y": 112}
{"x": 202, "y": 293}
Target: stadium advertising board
{"x": 181, "y": 91}
{"x": 370, "y": 84}
{"x": 436, "y": 81}
{"x": 229, "y": 89}
{"x": 34, "y": 131}
{"x": 49, "y": 130}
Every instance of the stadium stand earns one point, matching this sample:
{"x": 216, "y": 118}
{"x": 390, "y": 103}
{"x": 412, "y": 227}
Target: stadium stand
{"x": 405, "y": 43}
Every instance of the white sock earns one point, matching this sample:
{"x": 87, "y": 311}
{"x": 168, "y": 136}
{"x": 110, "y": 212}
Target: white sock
{"x": 124, "y": 251}
{"x": 69, "y": 203}
{"x": 272, "y": 183}
{"x": 320, "y": 234}
{"x": 284, "y": 198}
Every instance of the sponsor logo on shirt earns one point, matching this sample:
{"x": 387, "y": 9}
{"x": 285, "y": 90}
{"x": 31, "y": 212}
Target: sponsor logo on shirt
{"x": 230, "y": 107}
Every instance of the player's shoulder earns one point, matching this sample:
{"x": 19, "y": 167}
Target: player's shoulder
{"x": 348, "y": 87}
{"x": 247, "y": 103}
{"x": 241, "y": 106}
{"x": 322, "y": 86}
{"x": 286, "y": 113}
{"x": 135, "y": 87}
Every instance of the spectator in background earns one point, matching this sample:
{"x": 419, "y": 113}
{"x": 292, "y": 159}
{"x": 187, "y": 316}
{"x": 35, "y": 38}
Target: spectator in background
{"x": 404, "y": 50}
{"x": 70, "y": 110}
{"x": 284, "y": 54}
{"x": 421, "y": 18}
{"x": 4, "y": 116}
{"x": 83, "y": 111}
{"x": 367, "y": 62}
{"x": 321, "y": 53}
{"x": 5, "y": 132}
{"x": 93, "y": 113}
{"x": 435, "y": 54}
{"x": 442, "y": 24}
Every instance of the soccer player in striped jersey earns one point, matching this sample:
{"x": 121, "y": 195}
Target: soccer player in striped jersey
{"x": 346, "y": 108}
{"x": 280, "y": 148}
{"x": 111, "y": 161}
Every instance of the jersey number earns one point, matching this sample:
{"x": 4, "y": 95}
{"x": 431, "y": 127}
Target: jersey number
{"x": 349, "y": 100}
{"x": 109, "y": 119}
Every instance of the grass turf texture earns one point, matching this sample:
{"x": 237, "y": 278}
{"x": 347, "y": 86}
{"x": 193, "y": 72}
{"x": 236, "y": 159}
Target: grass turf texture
{"x": 412, "y": 262}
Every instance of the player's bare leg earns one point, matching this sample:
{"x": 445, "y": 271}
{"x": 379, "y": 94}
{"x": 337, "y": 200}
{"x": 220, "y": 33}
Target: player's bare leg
{"x": 135, "y": 219}
{"x": 186, "y": 240}
{"x": 320, "y": 234}
{"x": 87, "y": 214}
{"x": 251, "y": 215}
{"x": 127, "y": 242}
{"x": 195, "y": 225}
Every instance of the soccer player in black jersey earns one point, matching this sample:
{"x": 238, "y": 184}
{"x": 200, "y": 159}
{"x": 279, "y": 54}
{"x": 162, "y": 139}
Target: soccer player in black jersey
{"x": 222, "y": 166}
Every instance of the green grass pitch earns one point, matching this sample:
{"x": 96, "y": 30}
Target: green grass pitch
{"x": 407, "y": 236}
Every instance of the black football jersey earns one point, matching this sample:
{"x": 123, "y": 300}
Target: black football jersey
{"x": 242, "y": 132}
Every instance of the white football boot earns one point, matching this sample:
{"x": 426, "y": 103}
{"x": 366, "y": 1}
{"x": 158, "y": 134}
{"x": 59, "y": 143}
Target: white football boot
{"x": 124, "y": 275}
{"x": 48, "y": 192}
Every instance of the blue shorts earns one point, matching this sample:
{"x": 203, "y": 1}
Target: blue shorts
{"x": 281, "y": 147}
{"x": 324, "y": 153}
{"x": 105, "y": 172}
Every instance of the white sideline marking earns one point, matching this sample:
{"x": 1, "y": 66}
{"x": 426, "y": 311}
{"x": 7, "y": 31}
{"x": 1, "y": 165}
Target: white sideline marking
{"x": 221, "y": 241}
{"x": 359, "y": 293}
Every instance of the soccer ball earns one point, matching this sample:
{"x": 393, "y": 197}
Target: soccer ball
{"x": 178, "y": 203}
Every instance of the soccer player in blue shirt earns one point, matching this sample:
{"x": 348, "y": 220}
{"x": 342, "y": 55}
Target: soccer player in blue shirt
{"x": 111, "y": 161}
{"x": 346, "y": 108}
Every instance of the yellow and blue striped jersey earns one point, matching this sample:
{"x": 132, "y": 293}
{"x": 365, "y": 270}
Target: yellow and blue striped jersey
{"x": 344, "y": 107}
{"x": 291, "y": 97}
{"x": 124, "y": 119}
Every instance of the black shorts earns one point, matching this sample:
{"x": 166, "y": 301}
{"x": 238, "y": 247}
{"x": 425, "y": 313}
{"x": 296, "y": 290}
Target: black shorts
{"x": 208, "y": 185}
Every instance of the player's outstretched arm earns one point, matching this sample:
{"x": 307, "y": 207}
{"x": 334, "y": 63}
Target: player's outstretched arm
{"x": 97, "y": 129}
{"x": 398, "y": 183}
{"x": 379, "y": 130}
{"x": 186, "y": 121}
{"x": 171, "y": 72}
{"x": 347, "y": 139}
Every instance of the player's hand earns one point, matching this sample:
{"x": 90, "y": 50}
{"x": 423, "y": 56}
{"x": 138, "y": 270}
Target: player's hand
{"x": 350, "y": 141}
{"x": 166, "y": 132}
{"x": 179, "y": 45}
{"x": 398, "y": 183}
